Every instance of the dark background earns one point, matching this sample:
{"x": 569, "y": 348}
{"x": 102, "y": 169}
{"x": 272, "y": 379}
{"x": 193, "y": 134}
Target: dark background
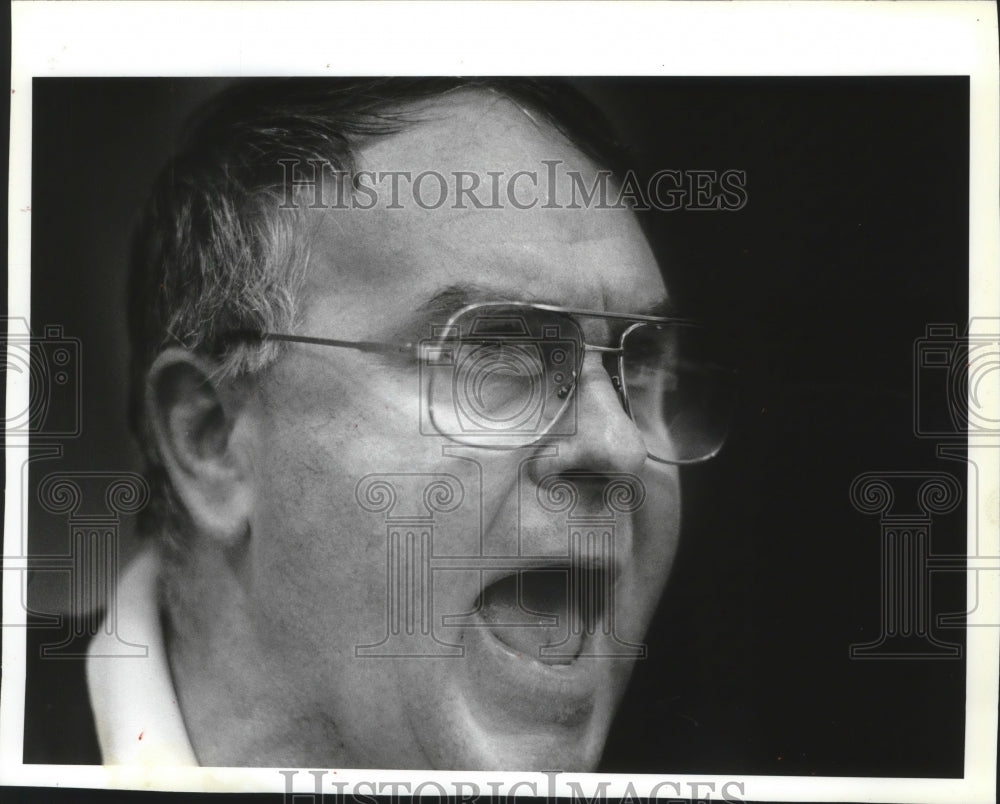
{"x": 853, "y": 240}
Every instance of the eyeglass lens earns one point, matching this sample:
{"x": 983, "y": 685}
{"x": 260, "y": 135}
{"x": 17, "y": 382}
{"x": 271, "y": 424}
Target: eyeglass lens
{"x": 680, "y": 397}
{"x": 505, "y": 376}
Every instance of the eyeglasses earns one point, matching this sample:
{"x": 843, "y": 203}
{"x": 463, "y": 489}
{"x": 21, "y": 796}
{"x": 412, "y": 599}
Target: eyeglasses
{"x": 503, "y": 375}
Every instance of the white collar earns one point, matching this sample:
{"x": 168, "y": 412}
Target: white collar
{"x": 135, "y": 706}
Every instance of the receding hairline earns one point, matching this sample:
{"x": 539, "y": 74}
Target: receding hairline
{"x": 464, "y": 105}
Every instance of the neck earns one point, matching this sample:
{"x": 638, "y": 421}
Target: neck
{"x": 236, "y": 710}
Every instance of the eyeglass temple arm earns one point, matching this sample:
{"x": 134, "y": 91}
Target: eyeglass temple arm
{"x": 361, "y": 346}
{"x": 649, "y": 319}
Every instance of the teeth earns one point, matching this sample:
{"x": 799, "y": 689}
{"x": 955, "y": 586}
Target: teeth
{"x": 531, "y": 611}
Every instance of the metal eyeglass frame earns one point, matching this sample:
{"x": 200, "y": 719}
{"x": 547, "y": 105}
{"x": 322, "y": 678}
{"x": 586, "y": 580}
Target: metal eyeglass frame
{"x": 414, "y": 349}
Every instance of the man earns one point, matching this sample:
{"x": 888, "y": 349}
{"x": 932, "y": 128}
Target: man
{"x": 386, "y": 363}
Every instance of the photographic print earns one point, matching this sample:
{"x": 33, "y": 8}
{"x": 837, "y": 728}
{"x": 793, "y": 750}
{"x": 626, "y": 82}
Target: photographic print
{"x": 610, "y": 428}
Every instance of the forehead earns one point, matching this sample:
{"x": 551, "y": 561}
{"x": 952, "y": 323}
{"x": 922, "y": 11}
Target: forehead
{"x": 399, "y": 253}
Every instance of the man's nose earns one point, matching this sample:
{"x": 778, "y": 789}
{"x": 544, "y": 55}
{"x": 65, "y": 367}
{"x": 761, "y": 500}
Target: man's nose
{"x": 605, "y": 438}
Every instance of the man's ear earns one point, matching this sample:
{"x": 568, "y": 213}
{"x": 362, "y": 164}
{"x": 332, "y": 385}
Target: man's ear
{"x": 194, "y": 425}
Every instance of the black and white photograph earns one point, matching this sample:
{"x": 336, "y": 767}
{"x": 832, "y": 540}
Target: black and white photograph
{"x": 617, "y": 429}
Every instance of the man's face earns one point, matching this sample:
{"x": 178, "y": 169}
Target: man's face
{"x": 335, "y": 565}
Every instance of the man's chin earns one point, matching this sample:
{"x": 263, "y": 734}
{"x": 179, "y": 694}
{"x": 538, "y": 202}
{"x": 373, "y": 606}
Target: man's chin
{"x": 497, "y": 708}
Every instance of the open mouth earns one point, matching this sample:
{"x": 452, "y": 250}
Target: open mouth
{"x": 547, "y": 614}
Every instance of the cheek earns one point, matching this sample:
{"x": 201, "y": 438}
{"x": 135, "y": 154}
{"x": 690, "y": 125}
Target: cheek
{"x": 317, "y": 559}
{"x": 318, "y": 551}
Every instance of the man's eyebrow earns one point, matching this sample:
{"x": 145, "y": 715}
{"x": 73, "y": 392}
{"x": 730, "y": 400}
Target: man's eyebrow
{"x": 449, "y": 299}
{"x": 435, "y": 310}
{"x": 453, "y": 298}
